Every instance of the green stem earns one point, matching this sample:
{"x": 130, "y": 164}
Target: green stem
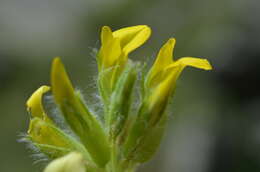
{"x": 116, "y": 164}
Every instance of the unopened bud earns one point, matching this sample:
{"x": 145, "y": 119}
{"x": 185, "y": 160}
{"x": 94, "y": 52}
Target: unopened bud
{"x": 72, "y": 162}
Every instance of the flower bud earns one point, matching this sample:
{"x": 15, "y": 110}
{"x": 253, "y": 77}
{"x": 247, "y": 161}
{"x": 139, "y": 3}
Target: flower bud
{"x": 51, "y": 140}
{"x": 77, "y": 115}
{"x": 121, "y": 101}
{"x": 72, "y": 162}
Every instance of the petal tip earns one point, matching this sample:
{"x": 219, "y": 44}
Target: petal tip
{"x": 207, "y": 65}
{"x": 43, "y": 89}
{"x": 57, "y": 66}
{"x": 147, "y": 29}
{"x": 56, "y": 61}
{"x": 34, "y": 103}
{"x": 172, "y": 40}
{"x": 105, "y": 28}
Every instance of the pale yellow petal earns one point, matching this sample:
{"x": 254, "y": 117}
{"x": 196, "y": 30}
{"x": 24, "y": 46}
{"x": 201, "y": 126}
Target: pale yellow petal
{"x": 72, "y": 162}
{"x": 132, "y": 37}
{"x": 34, "y": 103}
{"x": 193, "y": 62}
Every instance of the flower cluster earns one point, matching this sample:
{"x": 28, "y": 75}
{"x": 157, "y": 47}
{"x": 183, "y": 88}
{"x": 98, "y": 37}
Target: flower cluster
{"x": 122, "y": 138}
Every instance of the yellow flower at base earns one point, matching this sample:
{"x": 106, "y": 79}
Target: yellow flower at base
{"x": 73, "y": 162}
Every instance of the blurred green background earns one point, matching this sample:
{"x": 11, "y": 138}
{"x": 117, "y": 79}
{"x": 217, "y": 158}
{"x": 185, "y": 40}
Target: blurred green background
{"x": 215, "y": 122}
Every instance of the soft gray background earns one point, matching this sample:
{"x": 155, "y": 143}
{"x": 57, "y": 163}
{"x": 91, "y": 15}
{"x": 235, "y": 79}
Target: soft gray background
{"x": 215, "y": 122}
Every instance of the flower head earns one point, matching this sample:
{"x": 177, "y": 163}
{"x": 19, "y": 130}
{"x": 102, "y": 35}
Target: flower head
{"x": 128, "y": 129}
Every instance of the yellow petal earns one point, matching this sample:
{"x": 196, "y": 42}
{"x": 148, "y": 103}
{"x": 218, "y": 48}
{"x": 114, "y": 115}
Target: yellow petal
{"x": 116, "y": 46}
{"x": 132, "y": 37}
{"x": 71, "y": 162}
{"x": 109, "y": 54}
{"x": 61, "y": 86}
{"x": 34, "y": 103}
{"x": 110, "y": 50}
{"x": 106, "y": 35}
{"x": 160, "y": 94}
{"x": 171, "y": 74}
{"x": 164, "y": 59}
{"x": 193, "y": 62}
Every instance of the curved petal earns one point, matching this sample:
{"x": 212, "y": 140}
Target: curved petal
{"x": 163, "y": 60}
{"x": 167, "y": 84}
{"x": 193, "y": 62}
{"x": 132, "y": 37}
{"x": 34, "y": 103}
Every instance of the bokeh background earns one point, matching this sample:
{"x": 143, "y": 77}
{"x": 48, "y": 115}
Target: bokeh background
{"x": 215, "y": 119}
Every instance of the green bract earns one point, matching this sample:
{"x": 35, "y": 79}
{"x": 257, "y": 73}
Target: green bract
{"x": 134, "y": 110}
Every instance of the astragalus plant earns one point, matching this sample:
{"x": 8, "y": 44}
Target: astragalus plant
{"x": 129, "y": 127}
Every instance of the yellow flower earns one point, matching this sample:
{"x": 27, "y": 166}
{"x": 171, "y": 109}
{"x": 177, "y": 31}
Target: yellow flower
{"x": 118, "y": 44}
{"x": 161, "y": 79}
{"x": 34, "y": 103}
{"x": 148, "y": 128}
{"x": 114, "y": 51}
